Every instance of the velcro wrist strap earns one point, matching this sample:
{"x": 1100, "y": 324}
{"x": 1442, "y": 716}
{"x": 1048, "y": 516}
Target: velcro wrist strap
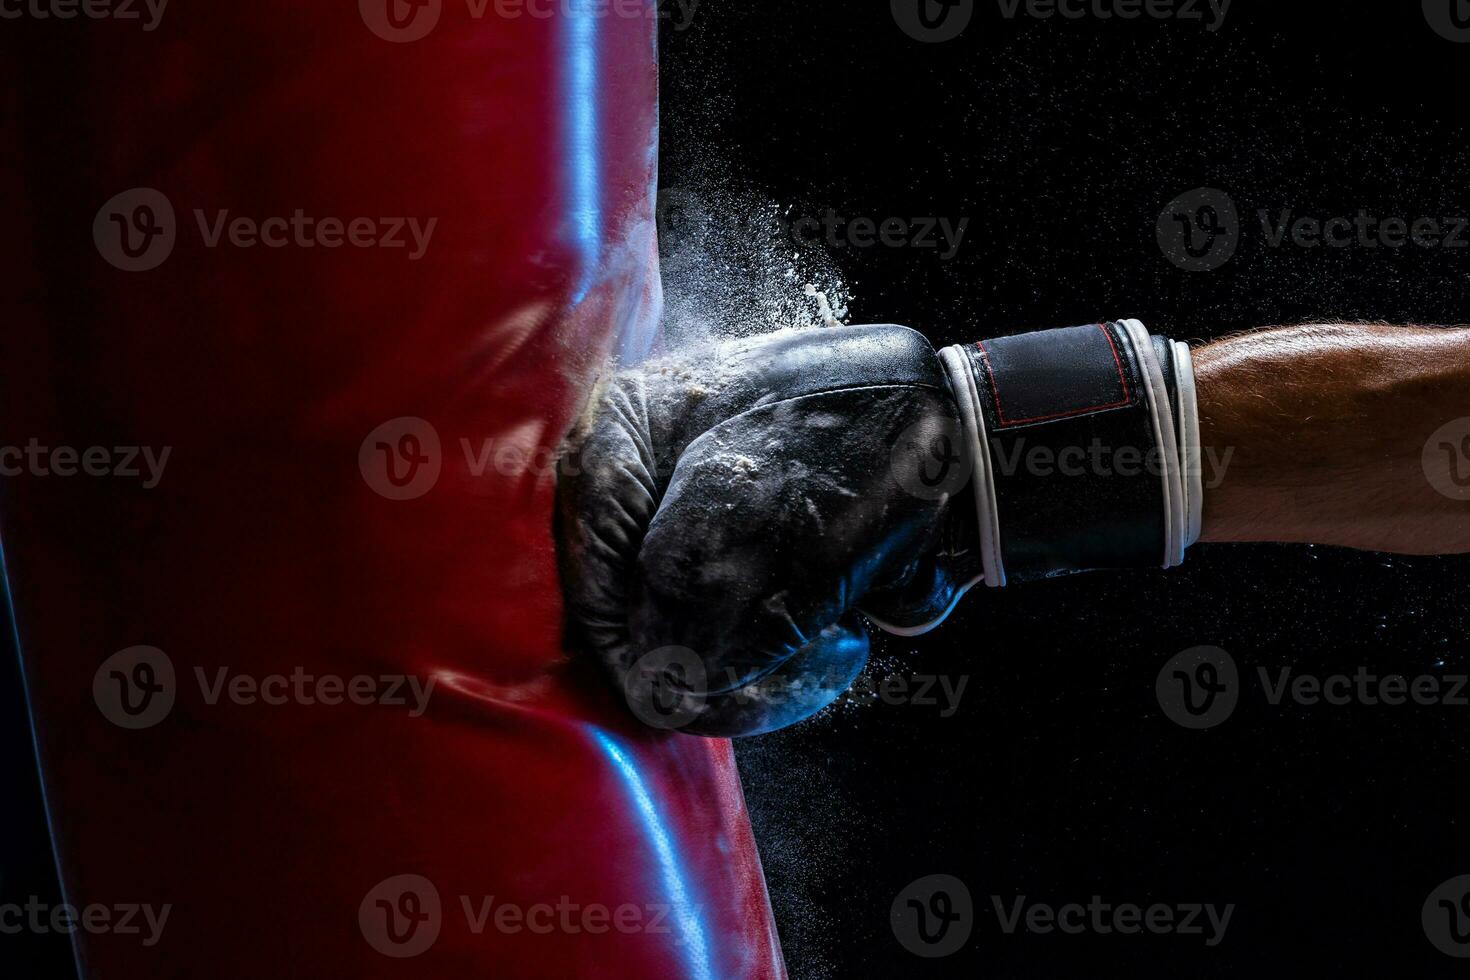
{"x": 1085, "y": 442}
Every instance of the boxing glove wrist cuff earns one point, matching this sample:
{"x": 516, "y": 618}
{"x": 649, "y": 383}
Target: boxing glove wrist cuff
{"x": 1085, "y": 444}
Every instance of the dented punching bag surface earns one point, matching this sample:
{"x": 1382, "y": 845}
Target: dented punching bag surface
{"x": 302, "y": 299}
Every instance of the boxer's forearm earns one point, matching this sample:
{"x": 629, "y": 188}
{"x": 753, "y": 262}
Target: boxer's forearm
{"x": 1318, "y": 434}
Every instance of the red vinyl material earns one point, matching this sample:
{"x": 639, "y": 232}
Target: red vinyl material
{"x": 520, "y": 824}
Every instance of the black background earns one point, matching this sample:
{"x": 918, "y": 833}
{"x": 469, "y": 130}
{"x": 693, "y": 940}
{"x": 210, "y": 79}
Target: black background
{"x": 27, "y": 867}
{"x": 1059, "y": 777}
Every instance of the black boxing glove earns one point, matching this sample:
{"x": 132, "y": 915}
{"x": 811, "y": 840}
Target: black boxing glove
{"x": 723, "y": 518}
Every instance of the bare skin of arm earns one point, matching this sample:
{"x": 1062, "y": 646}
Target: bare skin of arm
{"x": 1319, "y": 433}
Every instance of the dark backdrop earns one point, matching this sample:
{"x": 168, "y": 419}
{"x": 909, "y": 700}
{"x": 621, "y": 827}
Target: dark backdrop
{"x": 1059, "y": 777}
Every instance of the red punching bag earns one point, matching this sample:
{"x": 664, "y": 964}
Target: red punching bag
{"x": 302, "y": 299}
